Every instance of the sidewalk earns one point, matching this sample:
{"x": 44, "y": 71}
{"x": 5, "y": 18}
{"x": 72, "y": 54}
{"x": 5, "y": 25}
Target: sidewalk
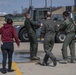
{"x": 31, "y": 68}
{"x": 60, "y": 69}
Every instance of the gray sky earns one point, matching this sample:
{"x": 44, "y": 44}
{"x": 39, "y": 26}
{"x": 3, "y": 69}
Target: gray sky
{"x": 9, "y": 6}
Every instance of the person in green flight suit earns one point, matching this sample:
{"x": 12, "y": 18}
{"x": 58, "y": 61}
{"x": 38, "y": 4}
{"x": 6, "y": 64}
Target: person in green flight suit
{"x": 48, "y": 30}
{"x": 30, "y": 26}
{"x": 70, "y": 38}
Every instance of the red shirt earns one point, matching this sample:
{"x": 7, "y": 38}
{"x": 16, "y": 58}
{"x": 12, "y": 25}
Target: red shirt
{"x": 8, "y": 32}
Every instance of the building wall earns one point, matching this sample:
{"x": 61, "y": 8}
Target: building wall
{"x": 2, "y": 18}
{"x": 59, "y": 11}
{"x": 74, "y": 9}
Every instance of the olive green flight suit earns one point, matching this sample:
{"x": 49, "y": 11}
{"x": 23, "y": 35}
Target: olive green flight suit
{"x": 48, "y": 29}
{"x": 30, "y": 27}
{"x": 69, "y": 40}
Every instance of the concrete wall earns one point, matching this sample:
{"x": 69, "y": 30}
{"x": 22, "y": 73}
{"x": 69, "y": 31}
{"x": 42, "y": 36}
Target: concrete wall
{"x": 59, "y": 11}
{"x": 2, "y": 18}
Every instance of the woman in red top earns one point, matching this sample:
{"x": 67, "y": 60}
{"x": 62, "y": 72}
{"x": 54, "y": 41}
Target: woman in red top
{"x": 8, "y": 32}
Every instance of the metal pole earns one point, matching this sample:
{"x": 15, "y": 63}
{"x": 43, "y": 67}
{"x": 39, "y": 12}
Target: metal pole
{"x": 45, "y": 3}
{"x": 51, "y": 5}
{"x": 75, "y": 5}
{"x": 75, "y": 2}
{"x": 31, "y": 2}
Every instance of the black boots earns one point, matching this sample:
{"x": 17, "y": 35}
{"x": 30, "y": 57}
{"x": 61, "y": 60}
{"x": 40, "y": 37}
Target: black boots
{"x": 10, "y": 70}
{"x": 47, "y": 64}
{"x": 3, "y": 71}
{"x": 43, "y": 63}
{"x": 54, "y": 62}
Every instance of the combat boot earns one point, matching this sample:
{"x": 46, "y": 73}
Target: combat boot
{"x": 63, "y": 61}
{"x": 43, "y": 64}
{"x": 54, "y": 62}
{"x": 72, "y": 61}
{"x": 35, "y": 58}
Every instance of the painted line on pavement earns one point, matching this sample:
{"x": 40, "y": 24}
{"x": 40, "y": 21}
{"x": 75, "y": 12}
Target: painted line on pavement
{"x": 15, "y": 67}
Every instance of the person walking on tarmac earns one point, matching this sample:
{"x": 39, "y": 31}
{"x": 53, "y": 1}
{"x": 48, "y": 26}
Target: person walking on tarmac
{"x": 8, "y": 32}
{"x": 48, "y": 29}
{"x": 70, "y": 38}
{"x": 30, "y": 27}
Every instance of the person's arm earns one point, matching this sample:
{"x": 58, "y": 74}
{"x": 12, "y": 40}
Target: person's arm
{"x": 1, "y": 30}
{"x": 61, "y": 25}
{"x": 43, "y": 30}
{"x": 16, "y": 37}
{"x": 0, "y": 35}
{"x": 34, "y": 24}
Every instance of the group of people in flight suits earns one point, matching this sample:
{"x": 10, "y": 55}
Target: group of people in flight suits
{"x": 48, "y": 29}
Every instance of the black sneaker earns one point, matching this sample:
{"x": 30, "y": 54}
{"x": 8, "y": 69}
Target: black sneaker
{"x": 10, "y": 70}
{"x": 3, "y": 71}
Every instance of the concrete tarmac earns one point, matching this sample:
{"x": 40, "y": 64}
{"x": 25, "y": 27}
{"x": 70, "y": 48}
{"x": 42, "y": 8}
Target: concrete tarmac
{"x": 31, "y": 68}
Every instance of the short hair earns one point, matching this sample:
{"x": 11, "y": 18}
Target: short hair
{"x": 66, "y": 13}
{"x": 48, "y": 14}
{"x": 9, "y": 21}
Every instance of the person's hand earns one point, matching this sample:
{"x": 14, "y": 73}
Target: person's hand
{"x": 41, "y": 24}
{"x": 58, "y": 25}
